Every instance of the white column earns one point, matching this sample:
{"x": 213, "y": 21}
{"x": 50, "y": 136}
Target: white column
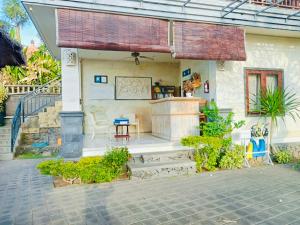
{"x": 71, "y": 80}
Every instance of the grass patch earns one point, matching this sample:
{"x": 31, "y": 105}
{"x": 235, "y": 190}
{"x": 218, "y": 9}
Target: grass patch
{"x": 31, "y": 155}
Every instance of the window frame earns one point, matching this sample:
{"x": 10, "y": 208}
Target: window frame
{"x": 263, "y": 73}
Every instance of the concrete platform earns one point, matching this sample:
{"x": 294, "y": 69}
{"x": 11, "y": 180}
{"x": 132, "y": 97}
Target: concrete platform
{"x": 142, "y": 143}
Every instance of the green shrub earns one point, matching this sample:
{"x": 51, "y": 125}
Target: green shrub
{"x": 207, "y": 150}
{"x": 116, "y": 158}
{"x": 217, "y": 125}
{"x": 233, "y": 158}
{"x": 283, "y": 157}
{"x": 216, "y": 142}
{"x": 88, "y": 169}
{"x": 69, "y": 171}
{"x": 51, "y": 167}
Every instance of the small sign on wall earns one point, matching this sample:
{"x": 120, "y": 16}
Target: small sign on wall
{"x": 186, "y": 72}
{"x": 100, "y": 79}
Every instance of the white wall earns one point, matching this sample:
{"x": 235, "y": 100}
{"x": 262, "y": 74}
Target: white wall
{"x": 71, "y": 82}
{"x": 262, "y": 52}
{"x": 207, "y": 72}
{"x": 168, "y": 73}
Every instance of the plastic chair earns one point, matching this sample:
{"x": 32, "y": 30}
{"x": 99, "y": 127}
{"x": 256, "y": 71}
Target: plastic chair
{"x": 99, "y": 124}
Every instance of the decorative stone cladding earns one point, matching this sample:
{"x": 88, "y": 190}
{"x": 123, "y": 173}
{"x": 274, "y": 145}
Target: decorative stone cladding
{"x": 50, "y": 117}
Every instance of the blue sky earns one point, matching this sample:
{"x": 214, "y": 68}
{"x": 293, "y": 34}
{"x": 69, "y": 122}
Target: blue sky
{"x": 28, "y": 31}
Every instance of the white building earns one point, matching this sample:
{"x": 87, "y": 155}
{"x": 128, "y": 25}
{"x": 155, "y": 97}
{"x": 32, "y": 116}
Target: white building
{"x": 238, "y": 47}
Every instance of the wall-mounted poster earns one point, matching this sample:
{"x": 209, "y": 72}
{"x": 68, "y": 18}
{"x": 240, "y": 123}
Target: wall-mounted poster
{"x": 133, "y": 88}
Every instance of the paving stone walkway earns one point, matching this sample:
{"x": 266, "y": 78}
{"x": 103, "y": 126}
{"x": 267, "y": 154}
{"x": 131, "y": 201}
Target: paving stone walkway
{"x": 265, "y": 195}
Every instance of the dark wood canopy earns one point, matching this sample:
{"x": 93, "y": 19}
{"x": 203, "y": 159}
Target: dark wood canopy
{"x": 101, "y": 31}
{"x": 208, "y": 42}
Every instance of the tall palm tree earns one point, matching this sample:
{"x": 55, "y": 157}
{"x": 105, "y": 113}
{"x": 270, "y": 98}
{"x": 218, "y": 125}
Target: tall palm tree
{"x": 16, "y": 15}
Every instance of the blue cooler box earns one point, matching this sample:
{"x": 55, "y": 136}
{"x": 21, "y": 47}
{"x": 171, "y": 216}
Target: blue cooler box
{"x": 119, "y": 121}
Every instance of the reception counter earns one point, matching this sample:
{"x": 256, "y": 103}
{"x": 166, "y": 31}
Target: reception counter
{"x": 176, "y": 117}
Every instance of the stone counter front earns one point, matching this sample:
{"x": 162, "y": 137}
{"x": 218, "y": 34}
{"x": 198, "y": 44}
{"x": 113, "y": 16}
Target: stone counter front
{"x": 176, "y": 117}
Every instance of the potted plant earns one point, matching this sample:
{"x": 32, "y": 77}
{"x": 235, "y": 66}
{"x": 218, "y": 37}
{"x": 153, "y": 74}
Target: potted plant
{"x": 3, "y": 98}
{"x": 188, "y": 87}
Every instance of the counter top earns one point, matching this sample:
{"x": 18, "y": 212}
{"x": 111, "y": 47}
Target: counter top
{"x": 185, "y": 99}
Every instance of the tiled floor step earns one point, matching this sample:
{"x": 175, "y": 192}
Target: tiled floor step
{"x": 160, "y": 157}
{"x": 5, "y": 130}
{"x": 5, "y": 137}
{"x": 4, "y": 142}
{"x": 5, "y": 134}
{"x": 140, "y": 170}
{"x": 6, "y": 156}
{"x": 5, "y": 149}
{"x": 161, "y": 164}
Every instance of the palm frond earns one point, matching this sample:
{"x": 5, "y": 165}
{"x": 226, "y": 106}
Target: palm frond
{"x": 278, "y": 103}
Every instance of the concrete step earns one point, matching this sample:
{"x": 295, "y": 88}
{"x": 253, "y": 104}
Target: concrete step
{"x": 5, "y": 149}
{"x": 5, "y": 142}
{"x": 6, "y": 156}
{"x": 31, "y": 122}
{"x": 140, "y": 170}
{"x": 169, "y": 156}
{"x": 152, "y": 148}
{"x": 5, "y": 130}
{"x": 5, "y": 137}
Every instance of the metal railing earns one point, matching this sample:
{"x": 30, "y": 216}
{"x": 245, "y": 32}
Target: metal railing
{"x": 293, "y": 4}
{"x": 32, "y": 103}
{"x": 24, "y": 89}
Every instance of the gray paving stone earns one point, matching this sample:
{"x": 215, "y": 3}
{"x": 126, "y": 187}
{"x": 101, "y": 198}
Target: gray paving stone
{"x": 248, "y": 196}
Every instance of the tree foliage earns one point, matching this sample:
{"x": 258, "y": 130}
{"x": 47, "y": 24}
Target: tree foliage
{"x": 16, "y": 17}
{"x": 41, "y": 68}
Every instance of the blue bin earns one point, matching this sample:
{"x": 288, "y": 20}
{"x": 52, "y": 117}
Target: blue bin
{"x": 118, "y": 121}
{"x": 261, "y": 147}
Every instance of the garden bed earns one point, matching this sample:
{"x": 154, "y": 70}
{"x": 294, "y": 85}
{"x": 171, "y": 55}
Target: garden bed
{"x": 60, "y": 182}
{"x": 97, "y": 169}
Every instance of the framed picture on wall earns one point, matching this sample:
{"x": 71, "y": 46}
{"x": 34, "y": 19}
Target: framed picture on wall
{"x": 133, "y": 88}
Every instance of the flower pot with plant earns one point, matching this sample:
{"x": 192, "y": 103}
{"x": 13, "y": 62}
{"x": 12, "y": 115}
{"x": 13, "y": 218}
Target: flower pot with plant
{"x": 3, "y": 98}
{"x": 188, "y": 87}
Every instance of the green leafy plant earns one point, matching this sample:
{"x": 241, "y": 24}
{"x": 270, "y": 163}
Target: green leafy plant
{"x": 116, "y": 158}
{"x": 217, "y": 125}
{"x": 40, "y": 69}
{"x": 88, "y": 169}
{"x": 283, "y": 157}
{"x": 3, "y": 97}
{"x": 51, "y": 167}
{"x": 216, "y": 140}
{"x": 275, "y": 103}
{"x": 233, "y": 158}
{"x": 206, "y": 151}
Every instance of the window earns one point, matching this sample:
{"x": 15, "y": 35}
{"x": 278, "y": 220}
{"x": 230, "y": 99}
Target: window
{"x": 257, "y": 81}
